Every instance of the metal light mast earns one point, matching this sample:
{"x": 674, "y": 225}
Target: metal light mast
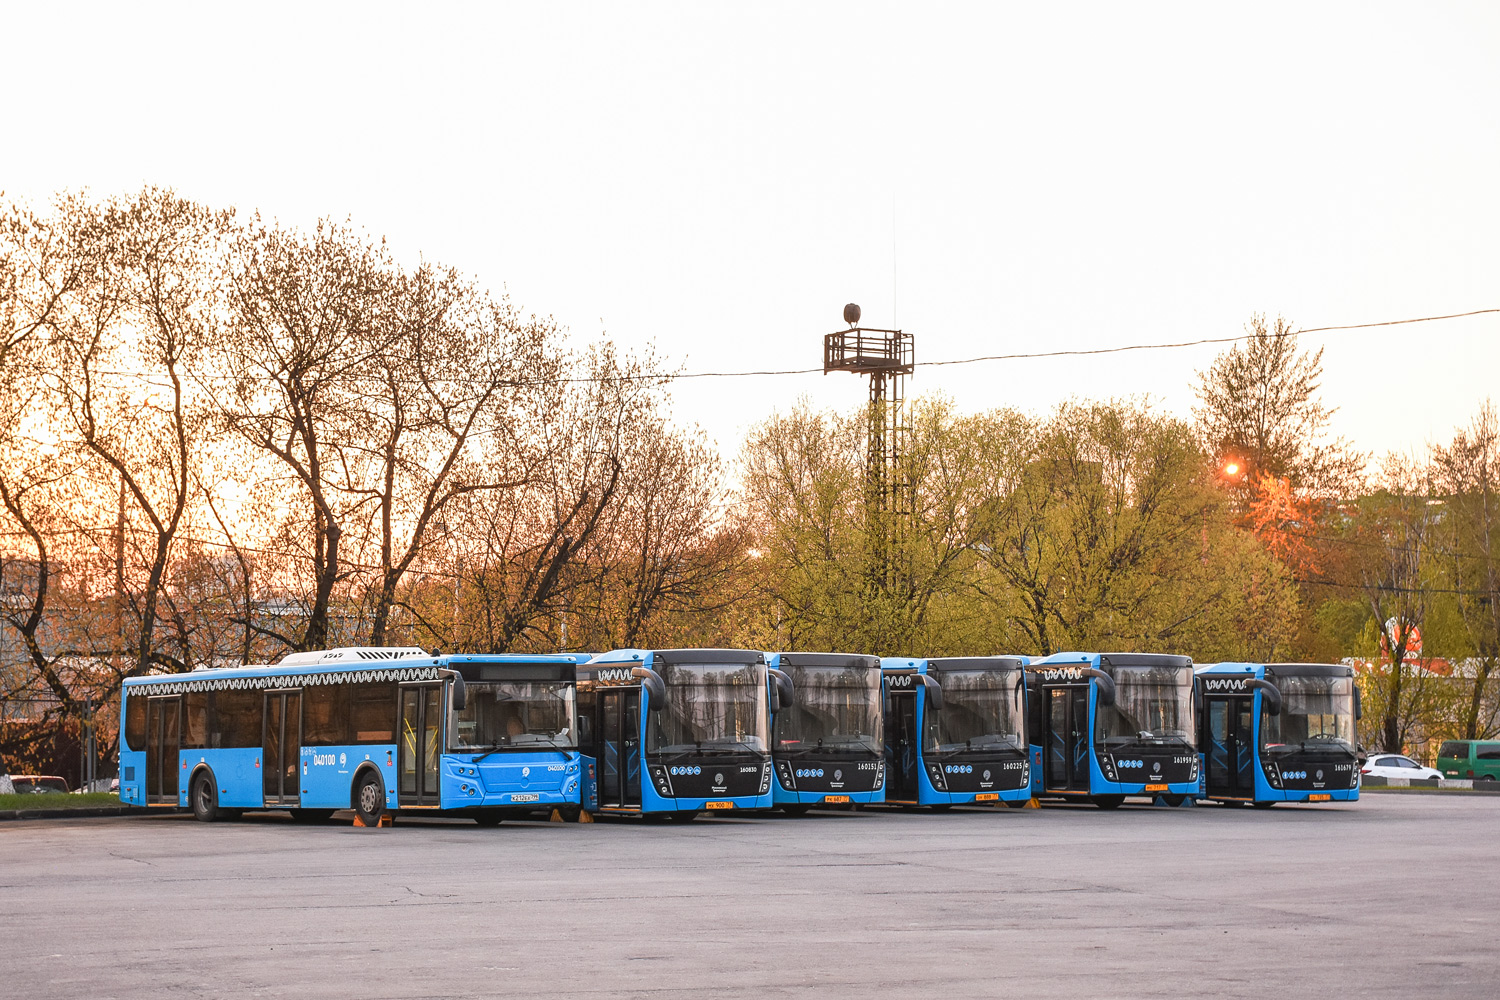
{"x": 886, "y": 356}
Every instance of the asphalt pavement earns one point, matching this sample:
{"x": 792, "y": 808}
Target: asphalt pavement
{"x": 1392, "y": 896}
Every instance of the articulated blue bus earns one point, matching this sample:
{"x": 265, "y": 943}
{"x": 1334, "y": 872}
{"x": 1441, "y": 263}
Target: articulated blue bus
{"x": 1279, "y": 732}
{"x": 955, "y": 731}
{"x": 1108, "y": 725}
{"x": 674, "y": 732}
{"x": 826, "y": 730}
{"x": 373, "y": 730}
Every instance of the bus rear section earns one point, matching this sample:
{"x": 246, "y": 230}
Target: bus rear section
{"x": 955, "y": 731}
{"x": 826, "y": 731}
{"x": 375, "y": 730}
{"x": 675, "y": 732}
{"x": 1106, "y": 726}
{"x": 1279, "y": 732}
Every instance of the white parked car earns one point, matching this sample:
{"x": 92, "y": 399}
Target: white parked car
{"x": 1394, "y": 765}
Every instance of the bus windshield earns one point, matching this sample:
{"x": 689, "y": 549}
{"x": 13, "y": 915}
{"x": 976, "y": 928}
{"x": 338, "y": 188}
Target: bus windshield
{"x": 1314, "y": 711}
{"x": 982, "y": 709}
{"x": 718, "y": 706}
{"x": 515, "y": 714}
{"x": 836, "y": 708}
{"x": 1151, "y": 703}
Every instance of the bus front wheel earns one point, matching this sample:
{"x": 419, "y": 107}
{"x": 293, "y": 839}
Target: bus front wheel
{"x": 205, "y": 799}
{"x": 310, "y": 815}
{"x": 793, "y": 809}
{"x": 1174, "y": 800}
{"x": 1109, "y": 801}
{"x": 686, "y": 816}
{"x": 369, "y": 799}
{"x": 488, "y": 817}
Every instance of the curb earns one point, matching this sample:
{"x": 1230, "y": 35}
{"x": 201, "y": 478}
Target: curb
{"x": 87, "y": 812}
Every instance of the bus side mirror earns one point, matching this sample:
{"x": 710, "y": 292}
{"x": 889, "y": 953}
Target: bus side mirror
{"x": 1270, "y": 695}
{"x": 1359, "y": 711}
{"x": 783, "y": 694}
{"x": 656, "y": 688}
{"x": 460, "y": 692}
{"x": 934, "y": 692}
{"x": 1106, "y": 685}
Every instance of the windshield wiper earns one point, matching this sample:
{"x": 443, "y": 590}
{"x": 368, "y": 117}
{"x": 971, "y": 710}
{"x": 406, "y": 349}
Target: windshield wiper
{"x": 729, "y": 746}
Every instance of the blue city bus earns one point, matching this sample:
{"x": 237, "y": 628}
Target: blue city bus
{"x": 826, "y": 730}
{"x": 1279, "y": 732}
{"x": 955, "y": 731}
{"x": 376, "y": 730}
{"x": 1108, "y": 725}
{"x": 673, "y": 732}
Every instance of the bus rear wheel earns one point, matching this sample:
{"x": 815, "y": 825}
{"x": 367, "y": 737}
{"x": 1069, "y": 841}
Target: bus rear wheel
{"x": 205, "y": 800}
{"x": 369, "y": 799}
{"x": 1109, "y": 801}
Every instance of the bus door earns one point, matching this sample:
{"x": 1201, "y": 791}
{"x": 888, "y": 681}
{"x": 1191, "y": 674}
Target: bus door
{"x": 163, "y": 741}
{"x": 620, "y": 748}
{"x": 902, "y": 743}
{"x": 1067, "y": 738}
{"x": 281, "y": 748}
{"x": 420, "y": 744}
{"x": 1230, "y": 733}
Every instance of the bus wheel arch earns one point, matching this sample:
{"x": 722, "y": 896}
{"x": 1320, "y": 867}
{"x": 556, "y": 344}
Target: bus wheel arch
{"x": 203, "y": 794}
{"x": 367, "y": 794}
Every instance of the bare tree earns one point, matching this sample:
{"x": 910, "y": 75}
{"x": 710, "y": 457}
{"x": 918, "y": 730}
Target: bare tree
{"x": 1468, "y": 475}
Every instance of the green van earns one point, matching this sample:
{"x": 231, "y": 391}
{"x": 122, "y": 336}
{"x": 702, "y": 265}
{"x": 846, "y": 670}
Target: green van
{"x": 1477, "y": 759}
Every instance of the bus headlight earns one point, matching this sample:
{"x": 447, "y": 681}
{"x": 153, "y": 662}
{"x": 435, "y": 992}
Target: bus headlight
{"x": 880, "y": 776}
{"x": 1107, "y": 765}
{"x": 1273, "y": 774}
{"x": 663, "y": 783}
{"x": 784, "y": 773}
{"x": 765, "y": 778}
{"x": 935, "y": 772}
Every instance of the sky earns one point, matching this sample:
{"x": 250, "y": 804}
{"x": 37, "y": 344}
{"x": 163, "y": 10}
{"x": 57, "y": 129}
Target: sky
{"x": 716, "y": 180}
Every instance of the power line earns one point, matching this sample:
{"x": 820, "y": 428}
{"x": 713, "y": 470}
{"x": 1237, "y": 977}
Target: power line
{"x": 666, "y": 377}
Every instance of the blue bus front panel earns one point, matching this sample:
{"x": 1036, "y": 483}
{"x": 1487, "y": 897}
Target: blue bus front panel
{"x": 1164, "y": 772}
{"x": 1309, "y": 782}
{"x": 516, "y": 780}
{"x": 692, "y": 786}
{"x": 977, "y": 780}
{"x": 819, "y": 782}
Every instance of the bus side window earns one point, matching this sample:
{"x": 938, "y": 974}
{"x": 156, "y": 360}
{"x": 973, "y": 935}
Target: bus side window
{"x": 372, "y": 713}
{"x": 235, "y": 720}
{"x": 195, "y": 720}
{"x": 135, "y": 721}
{"x": 586, "y": 732}
{"x": 325, "y": 714}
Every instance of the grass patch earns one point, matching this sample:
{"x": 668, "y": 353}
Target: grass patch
{"x": 91, "y": 800}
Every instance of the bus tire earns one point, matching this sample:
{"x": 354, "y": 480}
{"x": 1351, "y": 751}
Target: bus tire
{"x": 794, "y": 809}
{"x": 1109, "y": 801}
{"x": 488, "y": 818}
{"x": 941, "y": 807}
{"x": 1018, "y": 803}
{"x": 685, "y": 816}
{"x": 1174, "y": 800}
{"x": 311, "y": 815}
{"x": 369, "y": 797}
{"x": 205, "y": 797}
{"x": 1264, "y": 805}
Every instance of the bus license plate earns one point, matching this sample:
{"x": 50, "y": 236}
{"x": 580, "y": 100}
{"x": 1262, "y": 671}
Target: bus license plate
{"x": 835, "y": 798}
{"x": 987, "y": 797}
{"x": 525, "y": 797}
{"x": 1320, "y": 798}
{"x": 718, "y": 805}
{"x": 1156, "y": 788}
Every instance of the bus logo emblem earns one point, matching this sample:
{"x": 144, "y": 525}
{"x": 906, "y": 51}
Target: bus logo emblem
{"x": 839, "y": 775}
{"x": 526, "y": 772}
{"x": 718, "y": 779}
